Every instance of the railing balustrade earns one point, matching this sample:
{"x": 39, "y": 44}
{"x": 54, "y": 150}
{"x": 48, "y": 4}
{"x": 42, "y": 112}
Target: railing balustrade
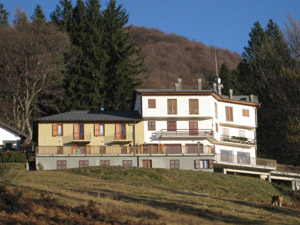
{"x": 108, "y": 150}
{"x": 71, "y": 138}
{"x": 237, "y": 139}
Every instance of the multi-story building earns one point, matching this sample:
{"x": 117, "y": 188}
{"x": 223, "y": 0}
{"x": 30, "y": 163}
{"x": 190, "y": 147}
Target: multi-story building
{"x": 202, "y": 121}
{"x": 172, "y": 128}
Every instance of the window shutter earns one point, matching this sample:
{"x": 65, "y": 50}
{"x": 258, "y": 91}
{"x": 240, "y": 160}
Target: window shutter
{"x": 97, "y": 129}
{"x": 231, "y": 114}
{"x": 174, "y": 106}
{"x": 169, "y": 106}
{"x": 196, "y": 106}
{"x": 54, "y": 130}
{"x": 76, "y": 131}
{"x": 210, "y": 164}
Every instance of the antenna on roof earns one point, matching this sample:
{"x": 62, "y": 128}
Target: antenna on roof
{"x": 216, "y": 62}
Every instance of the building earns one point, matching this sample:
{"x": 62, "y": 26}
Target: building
{"x": 10, "y": 138}
{"x": 172, "y": 128}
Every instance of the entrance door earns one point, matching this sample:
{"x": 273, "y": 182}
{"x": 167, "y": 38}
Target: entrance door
{"x": 78, "y": 131}
{"x": 147, "y": 163}
{"x": 121, "y": 131}
{"x": 193, "y": 127}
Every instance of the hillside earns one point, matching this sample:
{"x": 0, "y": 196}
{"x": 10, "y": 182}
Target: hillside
{"x": 119, "y": 195}
{"x": 169, "y": 56}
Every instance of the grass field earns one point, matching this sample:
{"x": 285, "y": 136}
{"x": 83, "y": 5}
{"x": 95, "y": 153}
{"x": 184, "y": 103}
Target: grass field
{"x": 119, "y": 195}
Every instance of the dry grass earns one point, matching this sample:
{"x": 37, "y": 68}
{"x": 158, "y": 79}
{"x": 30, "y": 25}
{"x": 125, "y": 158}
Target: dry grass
{"x": 119, "y": 195}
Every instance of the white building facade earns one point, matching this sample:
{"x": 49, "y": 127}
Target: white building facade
{"x": 198, "y": 121}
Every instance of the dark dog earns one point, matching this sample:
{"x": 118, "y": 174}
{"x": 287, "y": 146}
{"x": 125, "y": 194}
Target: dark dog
{"x": 277, "y": 200}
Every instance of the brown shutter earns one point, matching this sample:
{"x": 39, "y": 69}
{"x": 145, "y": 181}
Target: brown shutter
{"x": 97, "y": 129}
{"x": 231, "y": 114}
{"x": 227, "y": 113}
{"x": 196, "y": 106}
{"x": 54, "y": 130}
{"x": 210, "y": 164}
{"x": 169, "y": 106}
{"x": 191, "y": 106}
{"x": 88, "y": 149}
{"x": 76, "y": 131}
{"x": 174, "y": 106}
{"x": 118, "y": 131}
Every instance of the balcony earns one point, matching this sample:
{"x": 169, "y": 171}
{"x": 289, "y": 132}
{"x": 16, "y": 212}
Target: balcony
{"x": 244, "y": 161}
{"x": 85, "y": 138}
{"x": 132, "y": 150}
{"x": 236, "y": 140}
{"x": 122, "y": 139}
{"x": 182, "y": 134}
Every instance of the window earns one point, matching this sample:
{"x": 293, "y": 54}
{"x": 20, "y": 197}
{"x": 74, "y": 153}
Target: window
{"x": 172, "y": 106}
{"x": 226, "y": 132}
{"x": 171, "y": 126}
{"x": 193, "y": 127}
{"x": 151, "y": 125}
{"x": 242, "y": 133}
{"x": 57, "y": 130}
{"x": 102, "y": 149}
{"x": 246, "y": 112}
{"x": 124, "y": 150}
{"x": 194, "y": 106}
{"x": 83, "y": 163}
{"x": 173, "y": 149}
{"x": 61, "y": 164}
{"x": 174, "y": 164}
{"x": 243, "y": 157}
{"x": 127, "y": 162}
{"x": 202, "y": 164}
{"x": 121, "y": 131}
{"x": 60, "y": 150}
{"x": 226, "y": 156}
{"x": 217, "y": 127}
{"x": 151, "y": 103}
{"x": 147, "y": 163}
{"x": 104, "y": 162}
{"x": 99, "y": 130}
{"x": 229, "y": 113}
{"x": 78, "y": 131}
{"x": 216, "y": 110}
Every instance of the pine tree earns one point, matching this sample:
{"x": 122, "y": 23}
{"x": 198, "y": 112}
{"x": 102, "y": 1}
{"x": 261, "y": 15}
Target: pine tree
{"x": 3, "y": 16}
{"x": 38, "y": 15}
{"x": 229, "y": 80}
{"x": 268, "y": 70}
{"x": 62, "y": 16}
{"x": 124, "y": 64}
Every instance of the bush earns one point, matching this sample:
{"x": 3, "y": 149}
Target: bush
{"x": 13, "y": 157}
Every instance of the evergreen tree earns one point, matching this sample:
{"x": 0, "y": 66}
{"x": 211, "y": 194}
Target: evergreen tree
{"x": 38, "y": 15}
{"x": 3, "y": 16}
{"x": 62, "y": 16}
{"x": 268, "y": 70}
{"x": 229, "y": 80}
{"x": 124, "y": 64}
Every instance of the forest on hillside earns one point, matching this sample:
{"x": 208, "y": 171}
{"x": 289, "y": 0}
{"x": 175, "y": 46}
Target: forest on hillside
{"x": 88, "y": 57}
{"x": 170, "y": 56}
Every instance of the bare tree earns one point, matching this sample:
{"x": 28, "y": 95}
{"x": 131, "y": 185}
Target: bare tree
{"x": 292, "y": 31}
{"x": 31, "y": 56}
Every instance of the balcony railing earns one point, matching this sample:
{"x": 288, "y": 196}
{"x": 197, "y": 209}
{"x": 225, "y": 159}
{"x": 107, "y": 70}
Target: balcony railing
{"x": 237, "y": 139}
{"x": 287, "y": 169}
{"x": 244, "y": 160}
{"x": 182, "y": 133}
{"x": 128, "y": 137}
{"x": 112, "y": 150}
{"x": 86, "y": 137}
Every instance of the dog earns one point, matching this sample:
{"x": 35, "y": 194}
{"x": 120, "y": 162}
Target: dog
{"x": 277, "y": 200}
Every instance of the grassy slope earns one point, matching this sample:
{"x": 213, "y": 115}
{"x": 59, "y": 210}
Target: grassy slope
{"x": 155, "y": 196}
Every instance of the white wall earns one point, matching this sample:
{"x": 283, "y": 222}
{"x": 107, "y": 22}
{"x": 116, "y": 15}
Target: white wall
{"x": 7, "y": 136}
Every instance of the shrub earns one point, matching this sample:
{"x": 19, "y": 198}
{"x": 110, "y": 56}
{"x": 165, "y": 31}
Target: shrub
{"x": 13, "y": 157}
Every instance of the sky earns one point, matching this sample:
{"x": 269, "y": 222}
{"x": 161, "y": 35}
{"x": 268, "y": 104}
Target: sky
{"x": 222, "y": 23}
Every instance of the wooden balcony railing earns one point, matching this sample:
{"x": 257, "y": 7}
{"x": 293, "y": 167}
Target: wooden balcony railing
{"x": 128, "y": 137}
{"x": 182, "y": 133}
{"x": 244, "y": 160}
{"x": 109, "y": 150}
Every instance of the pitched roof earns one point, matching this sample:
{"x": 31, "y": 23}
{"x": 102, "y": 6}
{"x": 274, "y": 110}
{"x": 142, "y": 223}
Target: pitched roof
{"x": 2, "y": 124}
{"x": 93, "y": 116}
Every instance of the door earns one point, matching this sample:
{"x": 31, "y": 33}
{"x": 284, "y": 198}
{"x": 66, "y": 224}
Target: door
{"x": 147, "y": 163}
{"x": 193, "y": 128}
{"x": 121, "y": 131}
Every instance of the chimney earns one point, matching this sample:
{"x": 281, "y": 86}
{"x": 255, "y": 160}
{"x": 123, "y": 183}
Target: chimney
{"x": 215, "y": 87}
{"x": 177, "y": 87}
{"x": 199, "y": 84}
{"x": 230, "y": 93}
{"x": 179, "y": 82}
